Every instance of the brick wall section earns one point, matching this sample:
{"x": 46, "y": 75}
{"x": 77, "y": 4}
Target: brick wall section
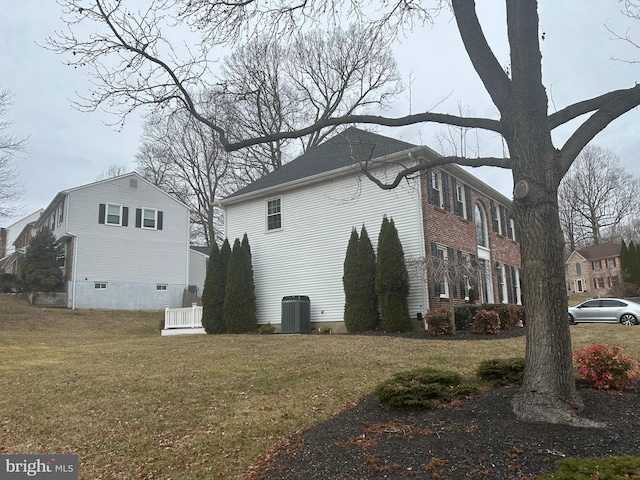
{"x": 445, "y": 227}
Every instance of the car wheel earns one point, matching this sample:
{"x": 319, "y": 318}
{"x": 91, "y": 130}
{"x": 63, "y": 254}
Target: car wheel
{"x": 628, "y": 319}
{"x": 572, "y": 321}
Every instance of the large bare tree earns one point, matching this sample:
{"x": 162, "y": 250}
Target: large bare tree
{"x": 279, "y": 85}
{"x": 11, "y": 191}
{"x": 596, "y": 197}
{"x": 130, "y": 71}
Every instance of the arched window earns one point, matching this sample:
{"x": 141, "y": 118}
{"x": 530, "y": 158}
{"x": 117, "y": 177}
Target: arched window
{"x": 482, "y": 236}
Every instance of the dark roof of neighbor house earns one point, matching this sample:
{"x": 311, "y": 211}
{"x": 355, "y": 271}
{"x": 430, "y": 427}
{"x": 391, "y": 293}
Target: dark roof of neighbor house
{"x": 204, "y": 250}
{"x": 600, "y": 250}
{"x": 346, "y": 148}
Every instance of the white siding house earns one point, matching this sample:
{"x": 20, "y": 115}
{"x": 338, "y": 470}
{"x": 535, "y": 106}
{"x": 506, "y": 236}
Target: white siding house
{"x": 126, "y": 244}
{"x": 299, "y": 220}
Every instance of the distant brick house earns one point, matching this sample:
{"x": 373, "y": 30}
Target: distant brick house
{"x": 455, "y": 230}
{"x": 593, "y": 270}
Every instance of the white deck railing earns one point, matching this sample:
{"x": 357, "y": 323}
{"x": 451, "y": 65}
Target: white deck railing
{"x": 190, "y": 317}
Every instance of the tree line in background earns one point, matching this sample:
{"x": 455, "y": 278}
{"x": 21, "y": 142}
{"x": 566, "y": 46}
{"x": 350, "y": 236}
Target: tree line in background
{"x": 598, "y": 201}
{"x": 372, "y": 281}
{"x": 630, "y": 266}
{"x": 228, "y": 297}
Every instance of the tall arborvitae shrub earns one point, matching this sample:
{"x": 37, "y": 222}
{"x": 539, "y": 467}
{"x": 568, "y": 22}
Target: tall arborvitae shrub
{"x": 367, "y": 315}
{"x": 392, "y": 280}
{"x": 208, "y": 302}
{"x": 350, "y": 283}
{"x": 240, "y": 300}
{"x": 633, "y": 265}
{"x": 39, "y": 271}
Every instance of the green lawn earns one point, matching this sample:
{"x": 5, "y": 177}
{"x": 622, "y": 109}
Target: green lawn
{"x": 132, "y": 404}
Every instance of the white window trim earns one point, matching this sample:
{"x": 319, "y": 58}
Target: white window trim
{"x": 502, "y": 283}
{"x": 498, "y": 217}
{"x": 461, "y": 197}
{"x": 444, "y": 292}
{"x": 267, "y": 215}
{"x": 155, "y": 219}
{"x": 436, "y": 184}
{"x": 106, "y": 214}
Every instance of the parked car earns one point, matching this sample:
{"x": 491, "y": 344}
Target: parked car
{"x": 606, "y": 310}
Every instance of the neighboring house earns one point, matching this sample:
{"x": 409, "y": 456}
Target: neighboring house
{"x": 594, "y": 270}
{"x": 11, "y": 263}
{"x": 198, "y": 260}
{"x": 126, "y": 244}
{"x": 9, "y": 236}
{"x": 299, "y": 218}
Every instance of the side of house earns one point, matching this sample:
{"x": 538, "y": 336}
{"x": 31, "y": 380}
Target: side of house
{"x": 299, "y": 219}
{"x": 470, "y": 239}
{"x": 593, "y": 270}
{"x": 126, "y": 244}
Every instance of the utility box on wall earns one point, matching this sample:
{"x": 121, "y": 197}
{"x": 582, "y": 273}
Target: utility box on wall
{"x": 296, "y": 313}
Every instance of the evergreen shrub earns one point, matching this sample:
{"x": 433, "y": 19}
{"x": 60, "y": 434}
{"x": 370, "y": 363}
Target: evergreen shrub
{"x": 601, "y": 468}
{"x": 499, "y": 371}
{"x": 422, "y": 388}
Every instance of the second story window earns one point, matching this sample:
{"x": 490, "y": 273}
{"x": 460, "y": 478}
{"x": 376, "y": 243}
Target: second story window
{"x": 578, "y": 269}
{"x": 114, "y": 214}
{"x": 274, "y": 214}
{"x": 482, "y": 236}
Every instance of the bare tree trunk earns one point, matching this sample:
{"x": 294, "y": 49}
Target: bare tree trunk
{"x": 549, "y": 392}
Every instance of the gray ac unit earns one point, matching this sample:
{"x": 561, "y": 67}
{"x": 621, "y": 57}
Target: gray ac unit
{"x": 296, "y": 313}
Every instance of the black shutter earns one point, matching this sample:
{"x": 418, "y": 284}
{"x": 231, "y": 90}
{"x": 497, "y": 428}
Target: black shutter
{"x": 446, "y": 196}
{"x": 457, "y": 205}
{"x": 499, "y": 272}
{"x": 494, "y": 216}
{"x": 509, "y": 274}
{"x": 514, "y": 284}
{"x": 503, "y": 219}
{"x": 467, "y": 198}
{"x": 138, "y": 217}
{"x": 125, "y": 216}
{"x": 102, "y": 209}
{"x": 160, "y": 220}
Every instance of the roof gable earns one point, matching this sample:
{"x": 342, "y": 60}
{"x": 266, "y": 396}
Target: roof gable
{"x": 344, "y": 149}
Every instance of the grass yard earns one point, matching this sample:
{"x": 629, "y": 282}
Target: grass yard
{"x": 132, "y": 404}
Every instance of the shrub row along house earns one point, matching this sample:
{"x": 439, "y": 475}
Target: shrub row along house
{"x": 456, "y": 231}
{"x": 125, "y": 245}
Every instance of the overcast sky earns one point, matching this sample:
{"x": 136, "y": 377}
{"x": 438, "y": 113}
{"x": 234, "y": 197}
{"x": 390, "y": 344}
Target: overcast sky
{"x": 68, "y": 148}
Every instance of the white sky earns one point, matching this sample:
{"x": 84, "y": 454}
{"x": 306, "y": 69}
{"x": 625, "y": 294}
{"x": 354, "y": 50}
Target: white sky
{"x": 68, "y": 148}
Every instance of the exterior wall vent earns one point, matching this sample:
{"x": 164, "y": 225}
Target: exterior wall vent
{"x": 133, "y": 182}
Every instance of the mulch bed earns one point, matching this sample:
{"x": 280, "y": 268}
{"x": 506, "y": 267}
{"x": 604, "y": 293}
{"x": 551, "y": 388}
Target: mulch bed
{"x": 477, "y": 438}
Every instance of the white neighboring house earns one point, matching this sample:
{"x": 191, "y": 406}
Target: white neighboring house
{"x": 198, "y": 259}
{"x": 126, "y": 244}
{"x": 299, "y": 218}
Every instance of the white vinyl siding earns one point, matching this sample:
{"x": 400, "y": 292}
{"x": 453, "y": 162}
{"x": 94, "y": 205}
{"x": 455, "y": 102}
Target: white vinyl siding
{"x": 131, "y": 260}
{"x": 307, "y": 257}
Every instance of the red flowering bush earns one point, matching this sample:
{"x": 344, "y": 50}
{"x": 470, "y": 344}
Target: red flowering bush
{"x": 606, "y": 368}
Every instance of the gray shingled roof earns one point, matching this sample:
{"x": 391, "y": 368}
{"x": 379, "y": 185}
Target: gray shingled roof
{"x": 344, "y": 149}
{"x": 601, "y": 250}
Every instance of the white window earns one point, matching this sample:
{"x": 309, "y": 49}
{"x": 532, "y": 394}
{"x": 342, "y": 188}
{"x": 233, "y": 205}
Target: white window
{"x": 436, "y": 185}
{"x": 274, "y": 214}
{"x": 597, "y": 264}
{"x": 100, "y": 285}
{"x": 114, "y": 214}
{"x": 497, "y": 218}
{"x": 578, "y": 269}
{"x": 502, "y": 283}
{"x": 461, "y": 200}
{"x": 149, "y": 218}
{"x": 161, "y": 287}
{"x": 516, "y": 282}
{"x": 467, "y": 272}
{"x": 599, "y": 282}
{"x": 441, "y": 273}
{"x": 482, "y": 235}
{"x": 611, "y": 262}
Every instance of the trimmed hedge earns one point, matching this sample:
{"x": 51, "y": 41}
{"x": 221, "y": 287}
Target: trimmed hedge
{"x": 510, "y": 315}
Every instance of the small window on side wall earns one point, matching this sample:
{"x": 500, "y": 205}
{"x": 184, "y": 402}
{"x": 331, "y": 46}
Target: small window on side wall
{"x": 149, "y": 218}
{"x": 274, "y": 214}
